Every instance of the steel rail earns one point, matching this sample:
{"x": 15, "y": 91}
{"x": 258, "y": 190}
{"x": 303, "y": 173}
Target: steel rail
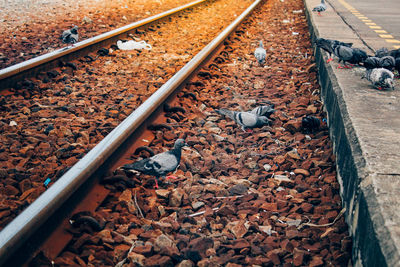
{"x": 18, "y": 230}
{"x": 35, "y": 64}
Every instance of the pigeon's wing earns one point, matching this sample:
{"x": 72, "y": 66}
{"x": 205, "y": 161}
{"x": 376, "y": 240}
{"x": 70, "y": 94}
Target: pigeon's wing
{"x": 372, "y": 63}
{"x": 144, "y": 166}
{"x": 165, "y": 162}
{"x": 387, "y": 62}
{"x": 246, "y": 119}
{"x": 344, "y": 52}
{"x": 65, "y": 35}
{"x": 266, "y": 110}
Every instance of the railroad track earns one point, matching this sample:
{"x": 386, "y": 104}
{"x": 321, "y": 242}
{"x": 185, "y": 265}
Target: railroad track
{"x": 201, "y": 86}
{"x": 54, "y": 118}
{"x": 37, "y": 216}
{"x": 11, "y": 75}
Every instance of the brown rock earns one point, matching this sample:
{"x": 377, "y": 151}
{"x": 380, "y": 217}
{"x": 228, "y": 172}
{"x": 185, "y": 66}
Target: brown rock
{"x": 145, "y": 250}
{"x": 163, "y": 193}
{"x": 25, "y": 185}
{"x": 10, "y": 190}
{"x": 175, "y": 198}
{"x": 274, "y": 256}
{"x": 120, "y": 251}
{"x": 201, "y": 244}
{"x": 293, "y": 126}
{"x": 269, "y": 206}
{"x": 302, "y": 171}
{"x": 163, "y": 242}
{"x": 158, "y": 261}
{"x": 185, "y": 263}
{"x": 298, "y": 257}
{"x": 237, "y": 228}
{"x": 206, "y": 263}
{"x": 136, "y": 258}
{"x": 316, "y": 261}
{"x": 105, "y": 236}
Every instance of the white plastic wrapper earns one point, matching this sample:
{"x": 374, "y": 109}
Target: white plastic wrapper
{"x": 131, "y": 44}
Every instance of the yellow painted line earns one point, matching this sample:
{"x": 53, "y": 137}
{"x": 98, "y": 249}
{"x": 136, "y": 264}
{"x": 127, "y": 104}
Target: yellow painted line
{"x": 393, "y": 41}
{"x": 378, "y": 29}
{"x": 386, "y": 36}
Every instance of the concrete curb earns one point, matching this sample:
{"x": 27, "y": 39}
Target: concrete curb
{"x": 365, "y": 191}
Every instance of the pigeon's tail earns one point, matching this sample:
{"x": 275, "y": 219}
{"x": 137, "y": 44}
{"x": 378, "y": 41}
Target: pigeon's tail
{"x": 137, "y": 166}
{"x": 347, "y": 44}
{"x": 226, "y": 112}
{"x": 261, "y": 44}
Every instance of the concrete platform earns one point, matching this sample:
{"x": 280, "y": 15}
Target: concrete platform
{"x": 365, "y": 126}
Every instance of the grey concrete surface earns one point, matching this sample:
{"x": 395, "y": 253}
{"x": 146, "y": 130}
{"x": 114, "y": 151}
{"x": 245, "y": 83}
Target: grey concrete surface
{"x": 365, "y": 129}
{"x": 384, "y": 13}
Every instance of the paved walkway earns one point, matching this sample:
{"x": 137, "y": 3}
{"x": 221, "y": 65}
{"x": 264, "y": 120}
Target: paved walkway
{"x": 376, "y": 22}
{"x": 365, "y": 126}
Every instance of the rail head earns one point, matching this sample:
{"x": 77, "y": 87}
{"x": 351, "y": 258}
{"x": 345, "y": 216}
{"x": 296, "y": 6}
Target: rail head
{"x": 21, "y": 228}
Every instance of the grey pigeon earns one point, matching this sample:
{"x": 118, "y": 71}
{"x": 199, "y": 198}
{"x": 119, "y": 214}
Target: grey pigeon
{"x": 327, "y": 45}
{"x": 382, "y": 52}
{"x": 160, "y": 164}
{"x": 246, "y": 120}
{"x": 372, "y": 63}
{"x": 70, "y": 36}
{"x": 260, "y": 53}
{"x": 397, "y": 65}
{"x": 359, "y": 56}
{"x": 265, "y": 110}
{"x": 395, "y": 53}
{"x": 320, "y": 8}
{"x": 388, "y": 62}
{"x": 380, "y": 78}
{"x": 348, "y": 54}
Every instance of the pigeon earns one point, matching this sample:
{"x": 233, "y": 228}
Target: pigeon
{"x": 310, "y": 123}
{"x": 70, "y": 36}
{"x": 320, "y": 8}
{"x": 387, "y": 62}
{"x": 395, "y": 53}
{"x": 359, "y": 56}
{"x": 246, "y": 120}
{"x": 397, "y": 65}
{"x": 160, "y": 164}
{"x": 348, "y": 54}
{"x": 266, "y": 110}
{"x": 380, "y": 78}
{"x": 382, "y": 52}
{"x": 260, "y": 54}
{"x": 372, "y": 63}
{"x": 327, "y": 45}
